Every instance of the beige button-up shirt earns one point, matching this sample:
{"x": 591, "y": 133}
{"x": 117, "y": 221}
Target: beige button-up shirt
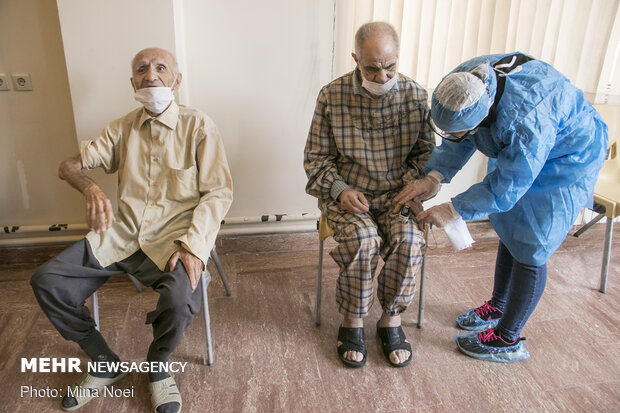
{"x": 174, "y": 185}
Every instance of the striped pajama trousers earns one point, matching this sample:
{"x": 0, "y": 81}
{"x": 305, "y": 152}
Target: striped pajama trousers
{"x": 362, "y": 239}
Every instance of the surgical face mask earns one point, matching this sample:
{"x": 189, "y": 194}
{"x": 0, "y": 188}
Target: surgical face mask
{"x": 155, "y": 99}
{"x": 379, "y": 89}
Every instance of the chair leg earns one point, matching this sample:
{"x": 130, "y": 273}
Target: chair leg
{"x": 317, "y": 312}
{"x": 206, "y": 279}
{"x": 220, "y": 270}
{"x": 422, "y": 279}
{"x": 606, "y": 254}
{"x": 135, "y": 282}
{"x": 421, "y": 299}
{"x": 589, "y": 224}
{"x": 96, "y": 310}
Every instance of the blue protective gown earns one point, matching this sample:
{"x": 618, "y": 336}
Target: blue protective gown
{"x": 545, "y": 148}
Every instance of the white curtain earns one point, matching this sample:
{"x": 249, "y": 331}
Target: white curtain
{"x": 581, "y": 38}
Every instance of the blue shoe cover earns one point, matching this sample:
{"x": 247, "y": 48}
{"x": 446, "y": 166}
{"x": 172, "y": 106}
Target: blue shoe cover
{"x": 469, "y": 320}
{"x": 470, "y": 344}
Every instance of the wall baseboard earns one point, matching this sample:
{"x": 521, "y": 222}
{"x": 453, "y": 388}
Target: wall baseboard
{"x": 229, "y": 228}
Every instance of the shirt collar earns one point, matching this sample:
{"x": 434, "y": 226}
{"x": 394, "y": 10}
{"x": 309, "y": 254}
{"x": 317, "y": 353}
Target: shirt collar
{"x": 168, "y": 117}
{"x": 357, "y": 84}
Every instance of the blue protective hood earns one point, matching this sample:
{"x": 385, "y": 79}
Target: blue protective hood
{"x": 453, "y": 119}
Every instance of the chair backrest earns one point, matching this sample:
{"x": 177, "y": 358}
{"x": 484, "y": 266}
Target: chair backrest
{"x": 607, "y": 190}
{"x": 611, "y": 116}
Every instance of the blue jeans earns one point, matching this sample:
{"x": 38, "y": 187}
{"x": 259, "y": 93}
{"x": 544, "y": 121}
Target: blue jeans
{"x": 517, "y": 290}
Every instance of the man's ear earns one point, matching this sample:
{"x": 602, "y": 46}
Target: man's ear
{"x": 132, "y": 85}
{"x": 355, "y": 58}
{"x": 178, "y": 81}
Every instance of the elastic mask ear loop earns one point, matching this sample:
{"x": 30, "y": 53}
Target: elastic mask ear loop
{"x": 499, "y": 68}
{"x": 515, "y": 70}
{"x": 503, "y": 65}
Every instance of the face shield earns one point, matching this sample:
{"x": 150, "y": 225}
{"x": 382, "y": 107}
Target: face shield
{"x": 447, "y": 136}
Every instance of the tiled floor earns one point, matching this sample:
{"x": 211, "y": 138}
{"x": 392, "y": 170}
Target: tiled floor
{"x": 270, "y": 357}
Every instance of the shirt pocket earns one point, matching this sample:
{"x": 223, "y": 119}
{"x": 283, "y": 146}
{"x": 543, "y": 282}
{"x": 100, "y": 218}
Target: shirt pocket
{"x": 375, "y": 138}
{"x": 376, "y": 122}
{"x": 183, "y": 185}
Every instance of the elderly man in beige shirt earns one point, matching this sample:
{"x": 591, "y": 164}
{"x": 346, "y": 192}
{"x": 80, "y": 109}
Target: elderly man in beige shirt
{"x": 174, "y": 189}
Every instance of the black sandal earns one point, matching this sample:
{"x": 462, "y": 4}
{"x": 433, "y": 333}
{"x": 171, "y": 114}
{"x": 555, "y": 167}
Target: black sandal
{"x": 392, "y": 339}
{"x": 352, "y": 339}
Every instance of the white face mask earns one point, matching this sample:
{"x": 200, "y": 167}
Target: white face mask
{"x": 379, "y": 89}
{"x": 155, "y": 99}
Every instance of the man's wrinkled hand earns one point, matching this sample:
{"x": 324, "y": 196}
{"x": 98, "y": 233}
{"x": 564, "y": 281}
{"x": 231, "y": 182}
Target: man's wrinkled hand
{"x": 418, "y": 190}
{"x": 440, "y": 215}
{"x": 353, "y": 201}
{"x": 193, "y": 265}
{"x": 99, "y": 213}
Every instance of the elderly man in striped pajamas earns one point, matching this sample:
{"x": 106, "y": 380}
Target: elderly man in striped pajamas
{"x": 368, "y": 140}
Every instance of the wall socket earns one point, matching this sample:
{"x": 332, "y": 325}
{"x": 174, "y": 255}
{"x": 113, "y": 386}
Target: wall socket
{"x": 21, "y": 81}
{"x": 4, "y": 81}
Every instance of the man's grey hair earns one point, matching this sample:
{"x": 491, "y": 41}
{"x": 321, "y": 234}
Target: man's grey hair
{"x": 374, "y": 29}
{"x": 175, "y": 67}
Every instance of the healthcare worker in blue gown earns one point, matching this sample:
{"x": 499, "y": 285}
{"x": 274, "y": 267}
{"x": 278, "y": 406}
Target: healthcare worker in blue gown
{"x": 546, "y": 145}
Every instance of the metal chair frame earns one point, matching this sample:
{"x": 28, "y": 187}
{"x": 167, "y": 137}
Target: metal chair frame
{"x": 607, "y": 243}
{"x": 206, "y": 279}
{"x": 606, "y": 202}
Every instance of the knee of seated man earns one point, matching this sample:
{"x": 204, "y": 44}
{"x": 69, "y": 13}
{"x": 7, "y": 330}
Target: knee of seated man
{"x": 48, "y": 286}
{"x": 368, "y": 237}
{"x": 179, "y": 298}
{"x": 42, "y": 280}
{"x": 409, "y": 238}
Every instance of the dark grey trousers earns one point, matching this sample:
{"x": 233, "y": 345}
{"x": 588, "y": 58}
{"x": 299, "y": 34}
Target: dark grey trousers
{"x": 62, "y": 285}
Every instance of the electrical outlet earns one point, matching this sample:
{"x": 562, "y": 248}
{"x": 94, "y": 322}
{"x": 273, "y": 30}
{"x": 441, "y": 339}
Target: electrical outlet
{"x": 4, "y": 81}
{"x": 21, "y": 81}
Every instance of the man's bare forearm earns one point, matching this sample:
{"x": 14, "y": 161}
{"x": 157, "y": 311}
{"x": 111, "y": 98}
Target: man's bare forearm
{"x": 70, "y": 170}
{"x": 99, "y": 214}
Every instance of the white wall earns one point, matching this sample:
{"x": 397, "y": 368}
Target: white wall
{"x": 256, "y": 68}
{"x": 100, "y": 38}
{"x": 36, "y": 127}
